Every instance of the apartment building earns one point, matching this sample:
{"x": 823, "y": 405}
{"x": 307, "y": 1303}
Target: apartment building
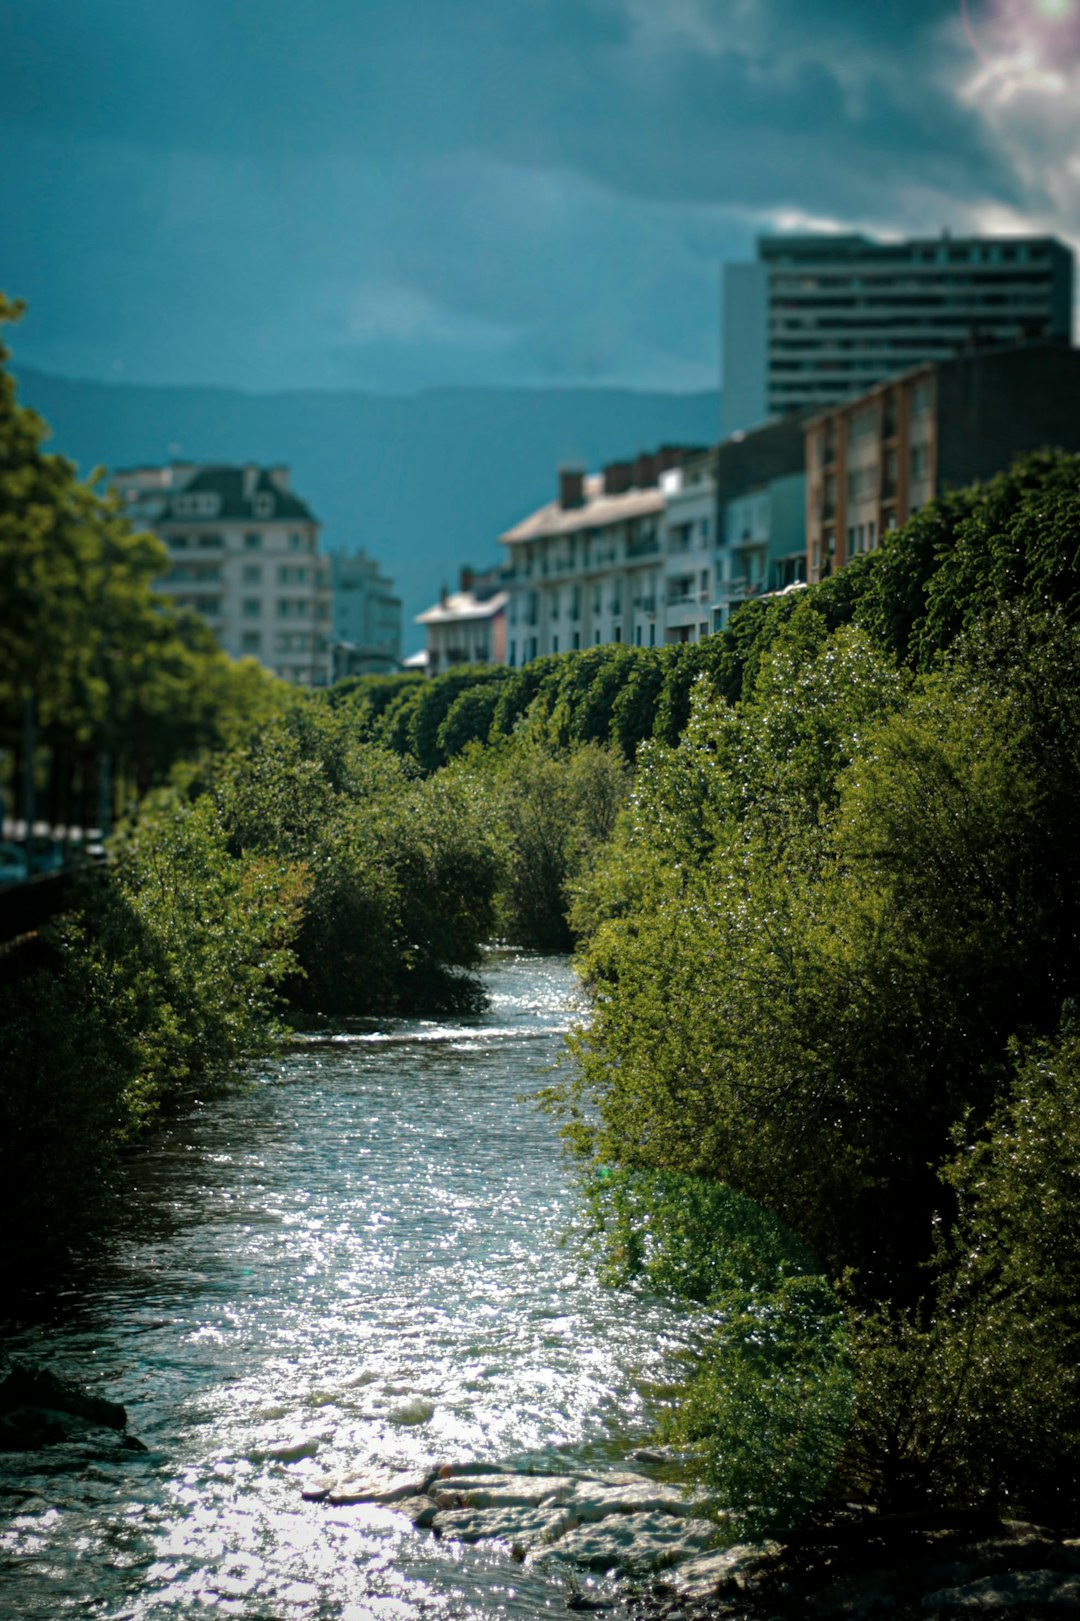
{"x": 688, "y": 531}
{"x": 874, "y": 460}
{"x": 244, "y": 556}
{"x": 818, "y": 318}
{"x": 589, "y": 567}
{"x": 366, "y": 617}
{"x": 467, "y": 626}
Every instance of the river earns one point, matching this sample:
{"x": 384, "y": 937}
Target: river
{"x": 358, "y": 1258}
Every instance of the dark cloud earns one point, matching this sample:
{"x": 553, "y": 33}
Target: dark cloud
{"x": 402, "y": 191}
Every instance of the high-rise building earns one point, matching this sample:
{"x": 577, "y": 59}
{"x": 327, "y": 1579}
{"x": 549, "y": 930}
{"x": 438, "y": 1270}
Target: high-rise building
{"x": 244, "y": 556}
{"x": 818, "y": 318}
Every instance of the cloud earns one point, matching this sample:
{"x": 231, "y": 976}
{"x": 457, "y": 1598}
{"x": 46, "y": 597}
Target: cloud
{"x": 431, "y": 191}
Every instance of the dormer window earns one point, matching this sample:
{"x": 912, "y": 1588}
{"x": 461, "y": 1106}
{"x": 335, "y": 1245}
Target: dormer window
{"x": 199, "y": 504}
{"x": 264, "y": 505}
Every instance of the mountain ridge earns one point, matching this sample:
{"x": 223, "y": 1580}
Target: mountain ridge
{"x": 425, "y": 482}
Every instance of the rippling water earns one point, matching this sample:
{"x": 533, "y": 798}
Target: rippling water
{"x": 357, "y": 1259}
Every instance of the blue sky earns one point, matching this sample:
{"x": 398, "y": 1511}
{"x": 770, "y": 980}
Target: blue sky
{"x": 395, "y": 194}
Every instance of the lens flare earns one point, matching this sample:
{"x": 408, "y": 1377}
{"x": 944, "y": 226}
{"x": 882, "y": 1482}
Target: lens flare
{"x": 1023, "y": 44}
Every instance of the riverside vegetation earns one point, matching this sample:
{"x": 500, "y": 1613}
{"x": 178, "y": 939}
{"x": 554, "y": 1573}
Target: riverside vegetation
{"x": 821, "y": 871}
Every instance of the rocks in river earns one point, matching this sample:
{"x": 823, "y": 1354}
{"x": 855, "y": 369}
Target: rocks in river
{"x": 1008, "y": 1590}
{"x": 614, "y": 1522}
{"x": 597, "y": 1500}
{"x": 636, "y": 1542}
{"x": 521, "y": 1525}
{"x": 501, "y": 1490}
{"x": 39, "y": 1408}
{"x": 388, "y": 1487}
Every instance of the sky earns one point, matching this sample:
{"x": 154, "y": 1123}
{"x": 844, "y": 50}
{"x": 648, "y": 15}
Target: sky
{"x": 399, "y": 194}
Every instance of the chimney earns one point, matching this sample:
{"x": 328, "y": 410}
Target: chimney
{"x": 279, "y": 476}
{"x": 618, "y": 477}
{"x": 646, "y": 470}
{"x": 468, "y": 579}
{"x": 571, "y": 487}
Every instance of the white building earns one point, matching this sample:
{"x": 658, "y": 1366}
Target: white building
{"x": 467, "y": 626}
{"x": 589, "y": 567}
{"x": 818, "y": 318}
{"x": 244, "y": 556}
{"x": 688, "y": 539}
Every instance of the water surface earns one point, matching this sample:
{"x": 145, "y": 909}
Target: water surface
{"x": 357, "y": 1258}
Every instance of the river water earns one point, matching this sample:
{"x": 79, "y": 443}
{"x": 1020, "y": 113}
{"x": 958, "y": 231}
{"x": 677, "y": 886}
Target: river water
{"x": 358, "y": 1259}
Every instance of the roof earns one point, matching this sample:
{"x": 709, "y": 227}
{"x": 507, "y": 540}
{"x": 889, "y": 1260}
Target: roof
{"x": 597, "y": 510}
{"x": 228, "y": 483}
{"x": 461, "y": 605}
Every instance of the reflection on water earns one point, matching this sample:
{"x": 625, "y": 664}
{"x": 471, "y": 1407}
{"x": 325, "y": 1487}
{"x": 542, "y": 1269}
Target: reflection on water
{"x": 357, "y": 1260}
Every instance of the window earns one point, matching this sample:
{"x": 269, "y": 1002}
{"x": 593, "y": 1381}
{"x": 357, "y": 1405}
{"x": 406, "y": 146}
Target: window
{"x": 252, "y": 540}
{"x": 214, "y": 543}
{"x": 921, "y": 396}
{"x": 263, "y": 505}
{"x": 252, "y": 573}
{"x": 251, "y": 607}
{"x": 251, "y": 641}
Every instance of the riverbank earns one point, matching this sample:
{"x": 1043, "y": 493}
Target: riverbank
{"x": 896, "y": 1569}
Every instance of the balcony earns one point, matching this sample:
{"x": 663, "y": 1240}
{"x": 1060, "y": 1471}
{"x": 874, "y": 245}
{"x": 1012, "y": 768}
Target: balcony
{"x": 643, "y": 546}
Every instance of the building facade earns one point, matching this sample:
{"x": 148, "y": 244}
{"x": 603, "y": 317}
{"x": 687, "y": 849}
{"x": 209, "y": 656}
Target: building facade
{"x": 366, "y": 617}
{"x": 467, "y": 626}
{"x": 589, "y": 567}
{"x": 761, "y": 514}
{"x": 873, "y": 461}
{"x": 243, "y": 556}
{"x": 688, "y": 532}
{"x": 819, "y": 318}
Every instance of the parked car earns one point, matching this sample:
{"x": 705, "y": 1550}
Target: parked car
{"x": 14, "y": 867}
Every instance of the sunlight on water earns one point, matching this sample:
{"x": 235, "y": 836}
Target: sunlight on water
{"x": 357, "y": 1261}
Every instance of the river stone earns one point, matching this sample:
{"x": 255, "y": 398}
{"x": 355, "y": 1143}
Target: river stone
{"x": 636, "y": 1542}
{"x": 595, "y": 1499}
{"x": 725, "y": 1570}
{"x": 1009, "y": 1589}
{"x": 38, "y": 1387}
{"x": 501, "y": 1491}
{"x": 450, "y": 1471}
{"x": 386, "y": 1486}
{"x": 420, "y": 1510}
{"x": 521, "y": 1524}
{"x": 288, "y": 1452}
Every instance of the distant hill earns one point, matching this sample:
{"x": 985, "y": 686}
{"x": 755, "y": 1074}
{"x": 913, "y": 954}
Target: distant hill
{"x": 424, "y": 482}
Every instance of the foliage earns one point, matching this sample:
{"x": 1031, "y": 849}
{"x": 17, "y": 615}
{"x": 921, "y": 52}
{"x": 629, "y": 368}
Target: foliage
{"x": 765, "y": 1406}
{"x": 403, "y": 870}
{"x": 83, "y": 638}
{"x": 156, "y": 989}
{"x": 551, "y": 811}
{"x": 831, "y": 940}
